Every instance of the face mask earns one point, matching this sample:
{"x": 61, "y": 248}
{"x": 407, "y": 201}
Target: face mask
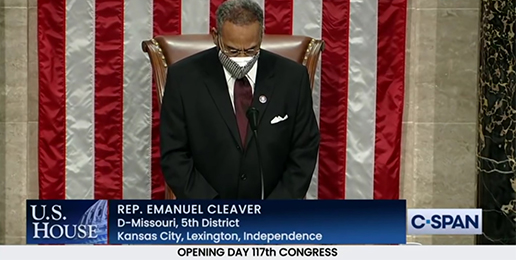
{"x": 238, "y": 67}
{"x": 241, "y": 61}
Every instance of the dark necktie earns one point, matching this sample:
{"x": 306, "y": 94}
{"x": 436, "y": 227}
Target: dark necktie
{"x": 243, "y": 96}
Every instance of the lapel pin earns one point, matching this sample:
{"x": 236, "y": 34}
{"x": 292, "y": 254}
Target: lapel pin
{"x": 262, "y": 99}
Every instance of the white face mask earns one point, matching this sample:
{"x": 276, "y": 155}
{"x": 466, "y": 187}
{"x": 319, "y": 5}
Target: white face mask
{"x": 241, "y": 61}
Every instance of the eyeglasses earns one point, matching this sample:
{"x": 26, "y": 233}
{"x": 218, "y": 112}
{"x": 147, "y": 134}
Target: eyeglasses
{"x": 234, "y": 52}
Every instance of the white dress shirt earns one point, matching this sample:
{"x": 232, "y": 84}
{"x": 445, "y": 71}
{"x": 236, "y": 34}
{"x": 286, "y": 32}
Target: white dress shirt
{"x": 251, "y": 76}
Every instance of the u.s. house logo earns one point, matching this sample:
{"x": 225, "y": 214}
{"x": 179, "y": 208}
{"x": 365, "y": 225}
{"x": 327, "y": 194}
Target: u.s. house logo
{"x": 64, "y": 222}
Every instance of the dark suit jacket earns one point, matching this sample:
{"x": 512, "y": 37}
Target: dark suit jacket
{"x": 201, "y": 151}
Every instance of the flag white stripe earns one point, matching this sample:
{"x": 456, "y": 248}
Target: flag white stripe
{"x": 195, "y": 16}
{"x": 361, "y": 124}
{"x": 80, "y": 73}
{"x": 137, "y": 110}
{"x": 307, "y": 21}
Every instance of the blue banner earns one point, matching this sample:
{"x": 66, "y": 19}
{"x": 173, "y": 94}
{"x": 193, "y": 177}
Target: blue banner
{"x": 217, "y": 222}
{"x": 257, "y": 222}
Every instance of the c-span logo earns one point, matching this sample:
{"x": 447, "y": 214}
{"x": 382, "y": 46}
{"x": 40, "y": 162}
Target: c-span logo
{"x": 444, "y": 221}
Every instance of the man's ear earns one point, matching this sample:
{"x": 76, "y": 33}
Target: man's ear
{"x": 213, "y": 32}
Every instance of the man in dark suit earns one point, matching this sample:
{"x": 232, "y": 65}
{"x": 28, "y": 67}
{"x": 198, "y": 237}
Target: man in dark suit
{"x": 208, "y": 150}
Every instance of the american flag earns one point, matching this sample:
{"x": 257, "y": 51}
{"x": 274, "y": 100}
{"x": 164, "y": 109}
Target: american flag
{"x": 98, "y": 118}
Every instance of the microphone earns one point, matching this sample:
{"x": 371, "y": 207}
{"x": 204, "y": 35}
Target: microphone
{"x": 252, "y": 117}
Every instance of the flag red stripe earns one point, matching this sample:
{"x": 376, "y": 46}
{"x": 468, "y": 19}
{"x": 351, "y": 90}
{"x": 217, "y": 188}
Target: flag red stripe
{"x": 390, "y": 93}
{"x": 109, "y": 60}
{"x": 167, "y": 17}
{"x": 52, "y": 99}
{"x": 278, "y": 16}
{"x": 214, "y": 4}
{"x": 157, "y": 180}
{"x": 334, "y": 100}
{"x": 166, "y": 20}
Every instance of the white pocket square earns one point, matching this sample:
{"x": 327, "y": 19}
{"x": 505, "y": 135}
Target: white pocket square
{"x": 278, "y": 119}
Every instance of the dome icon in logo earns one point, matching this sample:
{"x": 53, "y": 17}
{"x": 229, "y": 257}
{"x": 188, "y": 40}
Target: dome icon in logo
{"x": 96, "y": 215}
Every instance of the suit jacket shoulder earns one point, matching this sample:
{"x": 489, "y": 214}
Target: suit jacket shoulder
{"x": 193, "y": 62}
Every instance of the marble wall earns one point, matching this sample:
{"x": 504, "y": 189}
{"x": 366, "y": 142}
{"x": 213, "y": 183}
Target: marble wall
{"x": 439, "y": 139}
{"x": 439, "y": 127}
{"x": 18, "y": 115}
{"x": 496, "y": 144}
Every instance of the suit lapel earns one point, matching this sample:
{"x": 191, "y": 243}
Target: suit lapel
{"x": 264, "y": 87}
{"x": 218, "y": 88}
